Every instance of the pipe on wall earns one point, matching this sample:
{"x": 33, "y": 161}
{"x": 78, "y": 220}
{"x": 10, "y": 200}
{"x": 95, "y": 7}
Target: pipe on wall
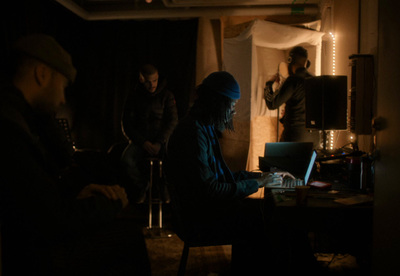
{"x": 179, "y": 13}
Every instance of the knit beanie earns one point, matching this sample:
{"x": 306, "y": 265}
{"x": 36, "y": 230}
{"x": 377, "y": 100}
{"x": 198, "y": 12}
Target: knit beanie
{"x": 46, "y": 49}
{"x": 223, "y": 83}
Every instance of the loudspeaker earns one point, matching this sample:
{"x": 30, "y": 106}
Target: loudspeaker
{"x": 361, "y": 94}
{"x": 326, "y": 102}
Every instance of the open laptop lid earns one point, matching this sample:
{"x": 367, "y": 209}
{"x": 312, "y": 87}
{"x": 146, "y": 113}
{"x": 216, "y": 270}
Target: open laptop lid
{"x": 310, "y": 167}
{"x": 288, "y": 156}
{"x": 289, "y": 149}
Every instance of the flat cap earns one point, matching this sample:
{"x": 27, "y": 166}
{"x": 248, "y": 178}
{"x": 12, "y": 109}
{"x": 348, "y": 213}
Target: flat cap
{"x": 47, "y": 50}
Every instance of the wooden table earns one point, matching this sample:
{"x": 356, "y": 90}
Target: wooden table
{"x": 337, "y": 227}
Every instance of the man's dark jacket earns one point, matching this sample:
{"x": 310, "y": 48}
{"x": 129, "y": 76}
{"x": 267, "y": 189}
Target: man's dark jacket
{"x": 38, "y": 205}
{"x": 292, "y": 93}
{"x": 205, "y": 199}
{"x": 150, "y": 116}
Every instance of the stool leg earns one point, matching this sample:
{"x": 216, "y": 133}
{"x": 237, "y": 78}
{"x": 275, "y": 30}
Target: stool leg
{"x": 150, "y": 197}
{"x": 160, "y": 199}
{"x": 160, "y": 214}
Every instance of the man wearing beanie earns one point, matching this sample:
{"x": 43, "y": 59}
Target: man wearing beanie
{"x": 211, "y": 198}
{"x": 42, "y": 205}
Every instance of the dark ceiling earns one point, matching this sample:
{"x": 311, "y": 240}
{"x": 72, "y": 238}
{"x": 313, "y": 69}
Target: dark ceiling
{"x": 147, "y": 9}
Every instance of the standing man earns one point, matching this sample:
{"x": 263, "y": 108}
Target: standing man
{"x": 42, "y": 205}
{"x": 150, "y": 115}
{"x": 292, "y": 94}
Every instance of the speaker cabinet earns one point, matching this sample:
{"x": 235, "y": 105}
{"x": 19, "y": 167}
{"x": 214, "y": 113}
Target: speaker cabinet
{"x": 361, "y": 94}
{"x": 326, "y": 102}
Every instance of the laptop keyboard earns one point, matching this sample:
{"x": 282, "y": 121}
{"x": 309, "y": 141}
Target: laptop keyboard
{"x": 288, "y": 183}
{"x": 291, "y": 183}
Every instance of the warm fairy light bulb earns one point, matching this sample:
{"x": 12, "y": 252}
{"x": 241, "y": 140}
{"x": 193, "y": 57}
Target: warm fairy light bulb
{"x": 332, "y": 132}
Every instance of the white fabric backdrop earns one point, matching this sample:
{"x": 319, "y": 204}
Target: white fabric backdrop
{"x": 252, "y": 58}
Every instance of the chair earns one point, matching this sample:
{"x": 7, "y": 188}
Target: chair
{"x": 179, "y": 228}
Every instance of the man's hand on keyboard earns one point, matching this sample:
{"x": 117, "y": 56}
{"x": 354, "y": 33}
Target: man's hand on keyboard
{"x": 277, "y": 180}
{"x": 268, "y": 179}
{"x": 286, "y": 175}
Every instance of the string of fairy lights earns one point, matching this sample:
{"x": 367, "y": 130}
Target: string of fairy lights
{"x": 330, "y": 140}
{"x": 333, "y": 53}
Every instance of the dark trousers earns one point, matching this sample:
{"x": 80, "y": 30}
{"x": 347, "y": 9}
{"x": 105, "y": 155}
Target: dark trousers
{"x": 135, "y": 162}
{"x": 113, "y": 249}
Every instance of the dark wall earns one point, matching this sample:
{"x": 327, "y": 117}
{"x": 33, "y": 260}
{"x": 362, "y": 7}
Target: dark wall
{"x": 386, "y": 187}
{"x": 107, "y": 55}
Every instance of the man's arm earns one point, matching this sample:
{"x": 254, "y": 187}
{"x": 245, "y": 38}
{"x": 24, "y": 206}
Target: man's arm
{"x": 31, "y": 197}
{"x": 275, "y": 99}
{"x": 170, "y": 118}
{"x": 130, "y": 122}
{"x": 188, "y": 156}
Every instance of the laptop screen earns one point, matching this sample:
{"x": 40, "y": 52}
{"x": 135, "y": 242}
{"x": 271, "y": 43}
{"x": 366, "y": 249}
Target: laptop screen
{"x": 310, "y": 167}
{"x": 289, "y": 149}
{"x": 288, "y": 156}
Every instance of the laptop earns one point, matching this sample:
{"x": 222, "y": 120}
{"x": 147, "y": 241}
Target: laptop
{"x": 288, "y": 149}
{"x": 287, "y": 156}
{"x": 289, "y": 183}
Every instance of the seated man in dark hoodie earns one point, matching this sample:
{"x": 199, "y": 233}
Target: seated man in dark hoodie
{"x": 46, "y": 212}
{"x": 149, "y": 117}
{"x": 213, "y": 200}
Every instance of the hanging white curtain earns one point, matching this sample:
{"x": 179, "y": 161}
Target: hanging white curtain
{"x": 252, "y": 58}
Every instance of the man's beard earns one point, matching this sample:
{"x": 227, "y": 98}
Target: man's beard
{"x": 225, "y": 125}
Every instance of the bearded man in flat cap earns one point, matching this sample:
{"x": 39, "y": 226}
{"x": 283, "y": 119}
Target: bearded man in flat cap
{"x": 41, "y": 206}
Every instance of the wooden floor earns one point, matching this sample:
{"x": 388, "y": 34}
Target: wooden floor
{"x": 165, "y": 249}
{"x": 165, "y": 253}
